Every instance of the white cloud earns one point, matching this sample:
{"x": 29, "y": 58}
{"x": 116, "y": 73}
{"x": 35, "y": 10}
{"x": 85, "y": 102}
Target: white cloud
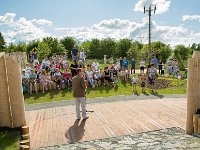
{"x": 27, "y": 30}
{"x": 116, "y": 28}
{"x": 8, "y": 18}
{"x": 162, "y": 6}
{"x": 24, "y": 30}
{"x": 191, "y": 17}
{"x": 42, "y": 22}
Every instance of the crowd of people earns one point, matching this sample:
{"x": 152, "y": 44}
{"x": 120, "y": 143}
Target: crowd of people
{"x": 57, "y": 71}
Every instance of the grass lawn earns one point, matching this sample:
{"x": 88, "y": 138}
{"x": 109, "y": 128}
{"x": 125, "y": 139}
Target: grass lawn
{"x": 9, "y": 139}
{"x": 122, "y": 88}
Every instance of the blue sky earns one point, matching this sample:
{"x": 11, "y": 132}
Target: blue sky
{"x": 86, "y": 19}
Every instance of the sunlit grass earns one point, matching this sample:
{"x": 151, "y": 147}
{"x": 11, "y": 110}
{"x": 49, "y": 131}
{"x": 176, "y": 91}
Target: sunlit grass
{"x": 123, "y": 88}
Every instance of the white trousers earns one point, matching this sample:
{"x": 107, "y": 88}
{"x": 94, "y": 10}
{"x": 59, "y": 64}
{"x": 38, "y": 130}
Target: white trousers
{"x": 80, "y": 101}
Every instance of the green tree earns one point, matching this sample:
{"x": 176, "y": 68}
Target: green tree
{"x": 135, "y": 51}
{"x": 108, "y": 47}
{"x": 2, "y": 43}
{"x": 182, "y": 54}
{"x": 161, "y": 51}
{"x": 21, "y": 47}
{"x": 69, "y": 43}
{"x": 123, "y": 45}
{"x": 32, "y": 45}
{"x": 54, "y": 45}
{"x": 95, "y": 48}
{"x": 10, "y": 48}
{"x": 43, "y": 49}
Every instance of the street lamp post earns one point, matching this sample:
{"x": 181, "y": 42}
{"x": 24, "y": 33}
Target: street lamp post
{"x": 149, "y": 11}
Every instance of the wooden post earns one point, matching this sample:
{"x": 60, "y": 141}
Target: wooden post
{"x": 192, "y": 90}
{"x": 198, "y": 131}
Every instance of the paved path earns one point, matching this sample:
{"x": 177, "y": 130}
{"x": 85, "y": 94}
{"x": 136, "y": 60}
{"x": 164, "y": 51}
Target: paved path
{"x": 57, "y": 125}
{"x": 103, "y": 100}
{"x": 166, "y": 139}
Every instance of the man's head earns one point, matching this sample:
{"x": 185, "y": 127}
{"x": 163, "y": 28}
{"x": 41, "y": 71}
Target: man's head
{"x": 23, "y": 71}
{"x": 79, "y": 72}
{"x": 32, "y": 71}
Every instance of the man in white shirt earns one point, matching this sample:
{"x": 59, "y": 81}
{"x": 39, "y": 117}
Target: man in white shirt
{"x": 82, "y": 55}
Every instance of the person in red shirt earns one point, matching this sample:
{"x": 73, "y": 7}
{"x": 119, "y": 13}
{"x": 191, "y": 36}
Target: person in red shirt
{"x": 37, "y": 66}
{"x": 67, "y": 76}
{"x": 58, "y": 66}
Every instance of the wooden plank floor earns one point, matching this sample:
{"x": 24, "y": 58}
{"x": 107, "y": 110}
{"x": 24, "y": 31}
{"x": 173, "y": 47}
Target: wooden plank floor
{"x": 56, "y": 126}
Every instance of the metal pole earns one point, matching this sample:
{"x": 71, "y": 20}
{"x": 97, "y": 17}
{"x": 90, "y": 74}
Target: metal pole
{"x": 149, "y": 45}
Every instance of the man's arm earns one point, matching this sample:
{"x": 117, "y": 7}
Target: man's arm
{"x": 83, "y": 84}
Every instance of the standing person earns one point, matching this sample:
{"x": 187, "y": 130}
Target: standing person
{"x": 74, "y": 53}
{"x": 82, "y": 55}
{"x": 142, "y": 66}
{"x": 105, "y": 61}
{"x": 160, "y": 67}
{"x": 152, "y": 77}
{"x": 125, "y": 63}
{"x": 79, "y": 87}
{"x": 163, "y": 69}
{"x": 117, "y": 66}
{"x": 111, "y": 60}
{"x": 134, "y": 83}
{"x": 35, "y": 57}
{"x": 133, "y": 65}
{"x": 121, "y": 63}
{"x": 143, "y": 82}
{"x": 73, "y": 67}
{"x": 169, "y": 67}
{"x": 30, "y": 57}
{"x": 154, "y": 61}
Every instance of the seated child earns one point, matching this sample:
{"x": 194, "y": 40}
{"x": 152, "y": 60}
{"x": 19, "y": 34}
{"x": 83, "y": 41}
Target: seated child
{"x": 67, "y": 76}
{"x": 96, "y": 77}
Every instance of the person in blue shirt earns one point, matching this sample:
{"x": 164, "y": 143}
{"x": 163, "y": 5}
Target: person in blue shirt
{"x": 125, "y": 63}
{"x": 154, "y": 61}
{"x": 74, "y": 53}
{"x": 133, "y": 62}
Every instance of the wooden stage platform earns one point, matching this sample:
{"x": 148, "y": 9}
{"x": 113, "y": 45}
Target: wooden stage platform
{"x": 56, "y": 126}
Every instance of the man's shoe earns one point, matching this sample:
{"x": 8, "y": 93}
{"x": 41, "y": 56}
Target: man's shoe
{"x": 85, "y": 118}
